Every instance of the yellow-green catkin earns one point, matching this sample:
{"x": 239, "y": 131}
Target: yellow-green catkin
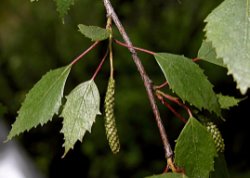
{"x": 217, "y": 137}
{"x": 110, "y": 125}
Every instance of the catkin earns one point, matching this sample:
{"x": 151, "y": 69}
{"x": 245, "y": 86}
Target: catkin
{"x": 110, "y": 125}
{"x": 217, "y": 137}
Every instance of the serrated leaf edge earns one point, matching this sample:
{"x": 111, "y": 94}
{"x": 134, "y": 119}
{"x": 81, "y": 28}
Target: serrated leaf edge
{"x": 107, "y": 32}
{"x": 9, "y": 137}
{"x": 239, "y": 84}
{"x": 184, "y": 99}
{"x": 87, "y": 129}
{"x": 192, "y": 119}
{"x": 206, "y": 40}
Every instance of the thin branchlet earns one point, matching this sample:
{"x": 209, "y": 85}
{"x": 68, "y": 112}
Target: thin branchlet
{"x": 146, "y": 80}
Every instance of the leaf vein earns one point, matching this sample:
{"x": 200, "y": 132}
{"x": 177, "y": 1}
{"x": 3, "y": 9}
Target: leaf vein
{"x": 52, "y": 86}
{"x": 195, "y": 147}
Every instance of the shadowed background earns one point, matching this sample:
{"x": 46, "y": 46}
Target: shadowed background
{"x": 33, "y": 40}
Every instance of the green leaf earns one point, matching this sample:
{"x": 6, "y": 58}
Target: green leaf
{"x": 79, "y": 113}
{"x": 188, "y": 81}
{"x": 228, "y": 101}
{"x": 228, "y": 28}
{"x": 168, "y": 175}
{"x": 63, "y": 6}
{"x": 220, "y": 168}
{"x": 42, "y": 101}
{"x": 93, "y": 32}
{"x": 208, "y": 53}
{"x": 195, "y": 150}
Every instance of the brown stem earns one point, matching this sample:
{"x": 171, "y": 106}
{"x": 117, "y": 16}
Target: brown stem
{"x": 196, "y": 59}
{"x": 171, "y": 108}
{"x": 100, "y": 65}
{"x": 136, "y": 48}
{"x": 84, "y": 53}
{"x": 147, "y": 82}
{"x": 158, "y": 87}
{"x": 175, "y": 100}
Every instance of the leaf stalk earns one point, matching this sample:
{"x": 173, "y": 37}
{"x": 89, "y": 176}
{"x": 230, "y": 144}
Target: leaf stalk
{"x": 99, "y": 66}
{"x": 84, "y": 53}
{"x": 136, "y": 48}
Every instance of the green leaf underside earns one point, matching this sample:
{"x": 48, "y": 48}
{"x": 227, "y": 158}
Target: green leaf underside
{"x": 228, "y": 28}
{"x": 63, "y": 6}
{"x": 187, "y": 80}
{"x": 168, "y": 175}
{"x": 79, "y": 113}
{"x": 228, "y": 101}
{"x": 195, "y": 150}
{"x": 42, "y": 101}
{"x": 208, "y": 53}
{"x": 93, "y": 32}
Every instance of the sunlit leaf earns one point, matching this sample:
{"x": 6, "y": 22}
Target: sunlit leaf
{"x": 195, "y": 150}
{"x": 79, "y": 113}
{"x": 228, "y": 28}
{"x": 42, "y": 101}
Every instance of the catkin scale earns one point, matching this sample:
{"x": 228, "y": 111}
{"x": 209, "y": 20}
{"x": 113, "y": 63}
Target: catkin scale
{"x": 217, "y": 137}
{"x": 110, "y": 125}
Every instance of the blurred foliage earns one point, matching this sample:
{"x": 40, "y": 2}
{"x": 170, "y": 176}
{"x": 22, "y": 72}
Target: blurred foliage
{"x": 34, "y": 40}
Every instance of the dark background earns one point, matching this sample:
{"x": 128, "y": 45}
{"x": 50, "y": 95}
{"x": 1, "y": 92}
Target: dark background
{"x": 33, "y": 40}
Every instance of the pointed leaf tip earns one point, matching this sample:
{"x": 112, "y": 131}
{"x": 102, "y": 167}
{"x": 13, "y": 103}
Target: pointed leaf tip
{"x": 42, "y": 101}
{"x": 228, "y": 29}
{"x": 79, "y": 113}
{"x": 228, "y": 101}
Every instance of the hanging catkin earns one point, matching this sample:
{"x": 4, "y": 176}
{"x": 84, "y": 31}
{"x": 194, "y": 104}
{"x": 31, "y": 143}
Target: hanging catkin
{"x": 217, "y": 137}
{"x": 110, "y": 126}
